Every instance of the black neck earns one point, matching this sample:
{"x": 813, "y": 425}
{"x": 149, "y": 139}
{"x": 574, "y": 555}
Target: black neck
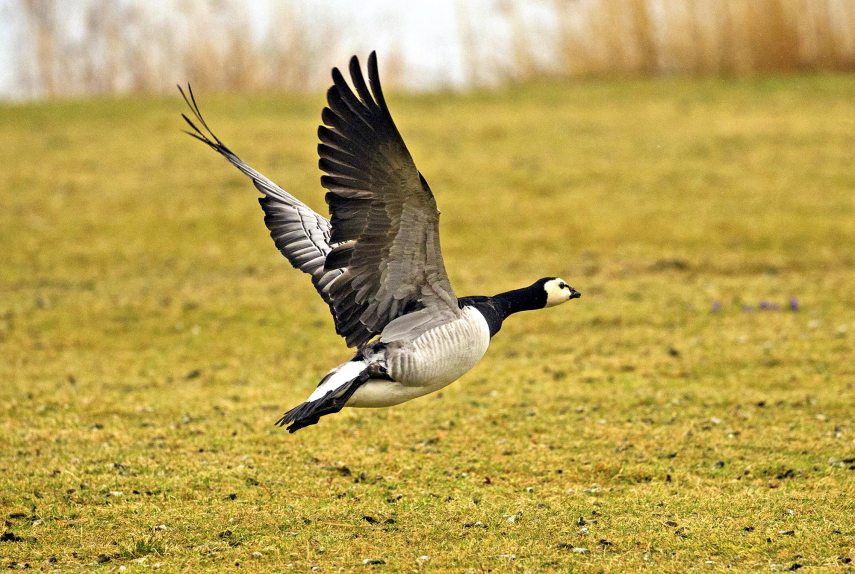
{"x": 498, "y": 307}
{"x": 525, "y": 299}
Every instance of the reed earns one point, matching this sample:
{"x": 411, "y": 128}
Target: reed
{"x": 705, "y": 36}
{"x": 132, "y": 47}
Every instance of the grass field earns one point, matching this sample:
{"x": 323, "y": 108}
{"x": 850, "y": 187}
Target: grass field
{"x": 679, "y": 417}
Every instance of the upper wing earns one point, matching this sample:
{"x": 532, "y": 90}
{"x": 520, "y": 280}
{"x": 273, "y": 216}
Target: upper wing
{"x": 302, "y": 235}
{"x": 385, "y": 224}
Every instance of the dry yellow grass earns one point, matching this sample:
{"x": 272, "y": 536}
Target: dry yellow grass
{"x": 150, "y": 334}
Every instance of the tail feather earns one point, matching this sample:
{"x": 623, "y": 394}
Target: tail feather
{"x": 310, "y": 412}
{"x": 333, "y": 392}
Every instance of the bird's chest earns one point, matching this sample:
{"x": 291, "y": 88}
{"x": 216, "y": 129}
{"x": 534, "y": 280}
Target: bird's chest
{"x": 442, "y": 354}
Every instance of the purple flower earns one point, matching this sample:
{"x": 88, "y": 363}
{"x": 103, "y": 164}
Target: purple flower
{"x": 716, "y": 306}
{"x": 764, "y": 305}
{"x": 794, "y": 304}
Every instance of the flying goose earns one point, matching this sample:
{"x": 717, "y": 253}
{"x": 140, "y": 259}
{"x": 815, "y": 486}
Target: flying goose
{"x": 377, "y": 261}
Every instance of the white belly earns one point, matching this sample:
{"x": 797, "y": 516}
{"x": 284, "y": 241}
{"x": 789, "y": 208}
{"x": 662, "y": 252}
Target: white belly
{"x": 432, "y": 361}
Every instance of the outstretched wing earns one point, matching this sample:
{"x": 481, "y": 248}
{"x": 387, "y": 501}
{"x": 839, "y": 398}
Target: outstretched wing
{"x": 385, "y": 224}
{"x": 302, "y": 235}
{"x": 379, "y": 257}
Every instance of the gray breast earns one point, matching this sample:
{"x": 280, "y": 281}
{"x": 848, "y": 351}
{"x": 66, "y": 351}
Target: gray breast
{"x": 442, "y": 354}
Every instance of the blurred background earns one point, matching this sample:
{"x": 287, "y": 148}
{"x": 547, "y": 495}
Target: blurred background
{"x": 85, "y": 47}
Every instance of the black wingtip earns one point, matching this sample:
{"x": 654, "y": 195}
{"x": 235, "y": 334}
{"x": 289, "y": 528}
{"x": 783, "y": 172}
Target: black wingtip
{"x": 359, "y": 84}
{"x": 354, "y": 68}
{"x": 202, "y": 131}
{"x": 355, "y": 71}
{"x": 373, "y": 74}
{"x": 374, "y": 81}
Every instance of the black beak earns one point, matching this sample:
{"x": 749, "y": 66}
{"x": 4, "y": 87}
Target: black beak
{"x": 574, "y": 294}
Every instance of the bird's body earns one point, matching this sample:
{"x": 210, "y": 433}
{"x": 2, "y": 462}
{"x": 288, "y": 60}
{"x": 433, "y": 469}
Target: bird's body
{"x": 377, "y": 261}
{"x": 418, "y": 367}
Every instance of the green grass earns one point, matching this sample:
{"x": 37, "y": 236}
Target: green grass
{"x": 150, "y": 334}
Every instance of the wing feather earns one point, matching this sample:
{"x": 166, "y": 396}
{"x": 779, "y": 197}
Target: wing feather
{"x": 385, "y": 225}
{"x": 300, "y": 234}
{"x": 378, "y": 257}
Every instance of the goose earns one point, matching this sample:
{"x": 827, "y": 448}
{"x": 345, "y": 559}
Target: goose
{"x": 377, "y": 261}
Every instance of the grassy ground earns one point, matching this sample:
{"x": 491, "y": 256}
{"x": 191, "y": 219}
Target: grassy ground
{"x": 150, "y": 334}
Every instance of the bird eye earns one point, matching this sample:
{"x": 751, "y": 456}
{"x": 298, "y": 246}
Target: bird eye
{"x": 563, "y": 285}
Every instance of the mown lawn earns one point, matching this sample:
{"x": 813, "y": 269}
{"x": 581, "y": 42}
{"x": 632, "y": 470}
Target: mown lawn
{"x": 680, "y": 416}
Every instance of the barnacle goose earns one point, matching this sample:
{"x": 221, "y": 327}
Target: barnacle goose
{"x": 377, "y": 262}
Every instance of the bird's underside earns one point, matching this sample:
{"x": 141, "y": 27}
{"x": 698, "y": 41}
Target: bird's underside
{"x": 384, "y": 374}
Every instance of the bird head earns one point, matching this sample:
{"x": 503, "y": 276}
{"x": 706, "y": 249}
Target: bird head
{"x": 557, "y": 291}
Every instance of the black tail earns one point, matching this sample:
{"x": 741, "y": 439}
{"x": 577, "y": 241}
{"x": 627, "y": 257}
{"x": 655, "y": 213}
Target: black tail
{"x": 310, "y": 412}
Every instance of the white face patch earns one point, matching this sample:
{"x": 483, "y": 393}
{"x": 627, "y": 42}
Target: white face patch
{"x": 557, "y": 292}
